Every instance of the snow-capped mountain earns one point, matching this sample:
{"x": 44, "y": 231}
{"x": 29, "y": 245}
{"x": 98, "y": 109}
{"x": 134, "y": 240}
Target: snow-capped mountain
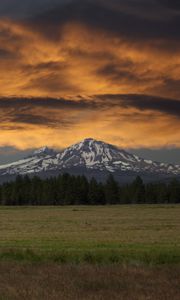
{"x": 44, "y": 151}
{"x": 37, "y": 162}
{"x": 88, "y": 155}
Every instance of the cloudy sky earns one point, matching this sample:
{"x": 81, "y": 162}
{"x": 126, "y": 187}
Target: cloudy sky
{"x": 90, "y": 68}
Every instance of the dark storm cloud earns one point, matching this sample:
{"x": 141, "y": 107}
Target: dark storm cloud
{"x": 168, "y": 87}
{"x": 174, "y": 4}
{"x": 100, "y": 55}
{"x": 23, "y": 8}
{"x": 30, "y": 119}
{"x": 51, "y": 65}
{"x": 144, "y": 102}
{"x": 5, "y": 54}
{"x": 38, "y": 119}
{"x": 26, "y": 103}
{"x": 135, "y": 19}
{"x": 119, "y": 21}
{"x": 50, "y": 76}
{"x": 38, "y": 111}
{"x": 8, "y": 36}
{"x": 121, "y": 72}
{"x": 51, "y": 82}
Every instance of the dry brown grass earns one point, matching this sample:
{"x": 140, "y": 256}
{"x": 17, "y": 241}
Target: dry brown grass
{"x": 85, "y": 282}
{"x": 88, "y": 226}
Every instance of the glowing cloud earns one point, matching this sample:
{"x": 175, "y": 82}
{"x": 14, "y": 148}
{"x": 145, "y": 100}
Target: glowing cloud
{"x": 91, "y": 69}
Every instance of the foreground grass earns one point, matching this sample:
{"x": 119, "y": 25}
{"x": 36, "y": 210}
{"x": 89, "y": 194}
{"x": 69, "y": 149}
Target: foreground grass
{"x": 85, "y": 282}
{"x": 147, "y": 234}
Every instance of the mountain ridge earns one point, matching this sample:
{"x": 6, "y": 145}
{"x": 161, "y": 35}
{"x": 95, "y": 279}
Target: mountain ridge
{"x": 89, "y": 155}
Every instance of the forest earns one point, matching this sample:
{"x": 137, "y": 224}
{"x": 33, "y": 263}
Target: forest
{"x": 77, "y": 190}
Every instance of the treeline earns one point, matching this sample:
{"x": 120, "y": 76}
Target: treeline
{"x": 70, "y": 190}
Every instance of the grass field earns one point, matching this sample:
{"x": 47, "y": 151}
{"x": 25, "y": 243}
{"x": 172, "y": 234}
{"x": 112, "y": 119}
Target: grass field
{"x": 90, "y": 253}
{"x": 88, "y": 282}
{"x": 136, "y": 235}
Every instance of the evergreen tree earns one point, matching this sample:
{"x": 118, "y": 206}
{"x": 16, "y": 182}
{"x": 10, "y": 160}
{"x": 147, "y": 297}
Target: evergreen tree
{"x": 150, "y": 194}
{"x": 111, "y": 191}
{"x": 71, "y": 190}
{"x": 174, "y": 191}
{"x": 138, "y": 190}
{"x": 17, "y": 195}
{"x": 96, "y": 195}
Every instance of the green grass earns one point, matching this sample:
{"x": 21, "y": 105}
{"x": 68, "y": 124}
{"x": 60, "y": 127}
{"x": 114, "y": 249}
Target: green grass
{"x": 144, "y": 234}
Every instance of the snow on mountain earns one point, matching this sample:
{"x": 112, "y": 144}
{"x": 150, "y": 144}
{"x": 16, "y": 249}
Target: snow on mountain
{"x": 44, "y": 151}
{"x": 89, "y": 154}
{"x": 94, "y": 154}
{"x": 40, "y": 160}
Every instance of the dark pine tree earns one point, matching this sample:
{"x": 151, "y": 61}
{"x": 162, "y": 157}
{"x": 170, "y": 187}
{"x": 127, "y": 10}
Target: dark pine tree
{"x": 138, "y": 191}
{"x": 96, "y": 193}
{"x": 174, "y": 191}
{"x": 111, "y": 191}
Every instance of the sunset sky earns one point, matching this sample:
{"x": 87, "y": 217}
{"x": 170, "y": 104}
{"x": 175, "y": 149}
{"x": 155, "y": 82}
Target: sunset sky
{"x": 107, "y": 69}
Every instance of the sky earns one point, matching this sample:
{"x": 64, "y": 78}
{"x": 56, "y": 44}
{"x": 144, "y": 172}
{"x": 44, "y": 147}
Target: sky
{"x": 74, "y": 69}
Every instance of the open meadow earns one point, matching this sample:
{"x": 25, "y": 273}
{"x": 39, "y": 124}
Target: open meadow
{"x": 133, "y": 234}
{"x": 90, "y": 252}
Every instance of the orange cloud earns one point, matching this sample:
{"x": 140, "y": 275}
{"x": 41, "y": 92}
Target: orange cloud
{"x": 85, "y": 61}
{"x": 35, "y": 122}
{"x": 81, "y": 61}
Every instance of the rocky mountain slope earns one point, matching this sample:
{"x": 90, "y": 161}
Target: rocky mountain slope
{"x": 88, "y": 155}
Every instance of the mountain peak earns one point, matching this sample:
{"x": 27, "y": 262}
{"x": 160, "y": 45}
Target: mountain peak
{"x": 89, "y": 140}
{"x": 44, "y": 151}
{"x": 88, "y": 144}
{"x": 89, "y": 155}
